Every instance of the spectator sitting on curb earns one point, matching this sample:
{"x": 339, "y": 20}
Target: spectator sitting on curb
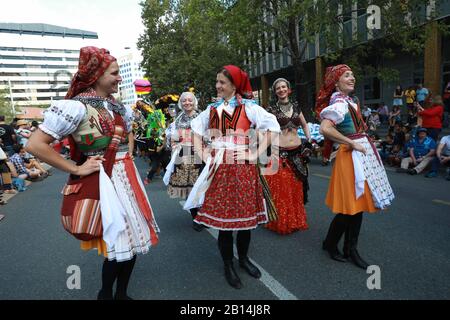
{"x": 374, "y": 120}
{"x": 421, "y": 153}
{"x": 24, "y": 170}
{"x": 386, "y": 147}
{"x": 383, "y": 112}
{"x": 395, "y": 116}
{"x": 442, "y": 158}
{"x": 399, "y": 134}
{"x": 6, "y": 178}
{"x": 18, "y": 183}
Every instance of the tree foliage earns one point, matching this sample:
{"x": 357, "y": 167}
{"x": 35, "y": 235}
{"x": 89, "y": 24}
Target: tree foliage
{"x": 186, "y": 41}
{"x": 5, "y": 106}
{"x": 184, "y": 45}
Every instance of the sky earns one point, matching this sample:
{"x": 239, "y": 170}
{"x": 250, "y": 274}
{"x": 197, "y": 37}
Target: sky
{"x": 117, "y": 22}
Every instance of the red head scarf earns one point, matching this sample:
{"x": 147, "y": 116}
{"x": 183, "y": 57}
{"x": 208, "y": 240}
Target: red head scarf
{"x": 240, "y": 81}
{"x": 91, "y": 66}
{"x": 332, "y": 76}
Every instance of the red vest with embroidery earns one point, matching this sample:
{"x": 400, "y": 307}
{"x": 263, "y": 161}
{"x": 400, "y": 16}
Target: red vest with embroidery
{"x": 229, "y": 124}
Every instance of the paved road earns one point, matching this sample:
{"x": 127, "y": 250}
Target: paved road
{"x": 409, "y": 242}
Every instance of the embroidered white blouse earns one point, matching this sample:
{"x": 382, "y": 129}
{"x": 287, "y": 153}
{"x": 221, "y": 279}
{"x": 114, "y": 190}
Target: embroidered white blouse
{"x": 258, "y": 116}
{"x": 64, "y": 116}
{"x": 338, "y": 108}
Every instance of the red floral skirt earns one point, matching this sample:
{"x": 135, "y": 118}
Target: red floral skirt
{"x": 287, "y": 195}
{"x": 234, "y": 200}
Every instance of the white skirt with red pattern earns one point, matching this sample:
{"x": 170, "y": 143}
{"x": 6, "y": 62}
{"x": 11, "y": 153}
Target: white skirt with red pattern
{"x": 234, "y": 200}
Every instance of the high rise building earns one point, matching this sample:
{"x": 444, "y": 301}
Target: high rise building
{"x": 37, "y": 61}
{"x": 130, "y": 71}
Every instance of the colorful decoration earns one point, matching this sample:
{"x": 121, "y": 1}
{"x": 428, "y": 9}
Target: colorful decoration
{"x": 167, "y": 99}
{"x": 156, "y": 126}
{"x": 144, "y": 107}
{"x": 142, "y": 86}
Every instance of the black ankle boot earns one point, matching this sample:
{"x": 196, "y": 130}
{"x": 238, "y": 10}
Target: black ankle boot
{"x": 353, "y": 235}
{"x": 231, "y": 275}
{"x": 251, "y": 269}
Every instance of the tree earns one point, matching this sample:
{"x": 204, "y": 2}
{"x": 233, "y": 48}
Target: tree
{"x": 5, "y": 106}
{"x": 295, "y": 24}
{"x": 184, "y": 45}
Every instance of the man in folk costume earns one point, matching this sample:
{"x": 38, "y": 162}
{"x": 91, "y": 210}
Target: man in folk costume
{"x": 229, "y": 190}
{"x": 105, "y": 204}
{"x": 358, "y": 181}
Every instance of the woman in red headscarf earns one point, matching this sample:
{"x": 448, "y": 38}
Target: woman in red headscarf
{"x": 358, "y": 181}
{"x": 105, "y": 204}
{"x": 229, "y": 190}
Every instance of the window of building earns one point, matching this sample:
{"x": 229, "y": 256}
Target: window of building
{"x": 371, "y": 88}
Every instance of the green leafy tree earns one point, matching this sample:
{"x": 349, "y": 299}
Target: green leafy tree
{"x": 293, "y": 25}
{"x": 5, "y": 106}
{"x": 184, "y": 45}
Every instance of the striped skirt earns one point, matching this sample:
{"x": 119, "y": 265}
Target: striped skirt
{"x": 141, "y": 228}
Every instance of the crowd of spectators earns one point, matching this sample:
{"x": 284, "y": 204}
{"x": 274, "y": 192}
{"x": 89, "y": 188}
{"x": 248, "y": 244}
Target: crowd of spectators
{"x": 414, "y": 143}
{"x": 16, "y": 165}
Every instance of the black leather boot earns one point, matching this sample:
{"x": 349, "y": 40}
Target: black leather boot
{"x": 354, "y": 229}
{"x": 346, "y": 248}
{"x": 247, "y": 265}
{"x": 225, "y": 243}
{"x": 231, "y": 275}
{"x": 337, "y": 228}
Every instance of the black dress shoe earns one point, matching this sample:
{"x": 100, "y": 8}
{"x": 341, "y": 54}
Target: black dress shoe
{"x": 231, "y": 275}
{"x": 251, "y": 269}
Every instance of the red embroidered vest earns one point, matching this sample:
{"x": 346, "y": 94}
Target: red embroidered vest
{"x": 236, "y": 123}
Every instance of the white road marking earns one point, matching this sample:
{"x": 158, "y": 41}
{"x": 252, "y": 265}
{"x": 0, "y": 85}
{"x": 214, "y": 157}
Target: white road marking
{"x": 441, "y": 201}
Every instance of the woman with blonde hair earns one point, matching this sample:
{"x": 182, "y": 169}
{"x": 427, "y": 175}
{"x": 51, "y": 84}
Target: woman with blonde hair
{"x": 184, "y": 168}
